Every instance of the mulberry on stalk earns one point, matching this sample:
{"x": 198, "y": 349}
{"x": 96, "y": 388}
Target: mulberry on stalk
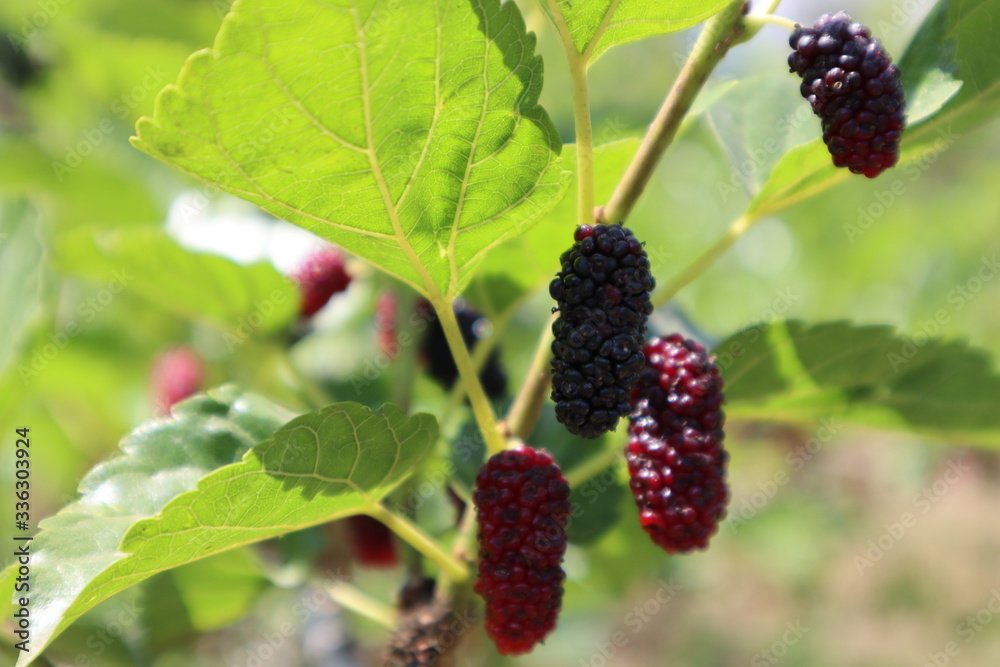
{"x": 602, "y": 295}
{"x": 676, "y": 460}
{"x": 855, "y": 89}
{"x": 522, "y": 500}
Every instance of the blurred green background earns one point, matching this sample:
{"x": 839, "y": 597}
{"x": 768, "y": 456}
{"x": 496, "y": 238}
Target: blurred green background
{"x": 808, "y": 571}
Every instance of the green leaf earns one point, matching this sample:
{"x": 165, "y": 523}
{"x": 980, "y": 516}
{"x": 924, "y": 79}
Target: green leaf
{"x": 598, "y": 25}
{"x": 407, "y": 132}
{"x": 951, "y": 74}
{"x": 795, "y": 372}
{"x": 191, "y": 285}
{"x": 139, "y": 515}
{"x": 21, "y": 277}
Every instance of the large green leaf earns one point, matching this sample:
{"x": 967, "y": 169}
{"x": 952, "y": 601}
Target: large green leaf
{"x": 139, "y": 515}
{"x": 791, "y": 371}
{"x": 191, "y": 285}
{"x": 597, "y": 25}
{"x": 951, "y": 74}
{"x": 407, "y": 132}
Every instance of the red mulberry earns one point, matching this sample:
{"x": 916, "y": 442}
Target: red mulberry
{"x": 371, "y": 542}
{"x": 855, "y": 89}
{"x": 675, "y": 456}
{"x": 319, "y": 277}
{"x": 523, "y": 503}
{"x": 177, "y": 374}
{"x": 602, "y": 295}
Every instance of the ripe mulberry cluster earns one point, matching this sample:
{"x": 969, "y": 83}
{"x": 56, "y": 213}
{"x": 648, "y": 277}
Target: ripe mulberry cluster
{"x": 675, "y": 456}
{"x": 602, "y": 295}
{"x": 523, "y": 503}
{"x": 319, "y": 277}
{"x": 854, "y": 87}
{"x": 441, "y": 364}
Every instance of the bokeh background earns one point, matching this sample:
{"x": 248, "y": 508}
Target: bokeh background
{"x": 814, "y": 567}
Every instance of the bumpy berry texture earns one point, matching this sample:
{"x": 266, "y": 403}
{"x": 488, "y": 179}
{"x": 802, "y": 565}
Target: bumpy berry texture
{"x": 441, "y": 365}
{"x": 854, "y": 87}
{"x": 602, "y": 295}
{"x": 523, "y": 503}
{"x": 319, "y": 277}
{"x": 429, "y": 627}
{"x": 371, "y": 542}
{"x": 176, "y": 374}
{"x": 676, "y": 460}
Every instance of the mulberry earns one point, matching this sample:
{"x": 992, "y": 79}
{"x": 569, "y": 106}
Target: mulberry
{"x": 441, "y": 365}
{"x": 602, "y": 295}
{"x": 371, "y": 542}
{"x": 675, "y": 456}
{"x": 177, "y": 373}
{"x": 319, "y": 277}
{"x": 523, "y": 503}
{"x": 855, "y": 89}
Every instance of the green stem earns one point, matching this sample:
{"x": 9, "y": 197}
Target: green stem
{"x": 712, "y": 45}
{"x": 756, "y": 21}
{"x": 740, "y": 226}
{"x": 527, "y": 407}
{"x": 310, "y": 392}
{"x": 466, "y": 369}
{"x": 354, "y": 599}
{"x": 581, "y": 116}
{"x": 595, "y": 464}
{"x": 410, "y": 533}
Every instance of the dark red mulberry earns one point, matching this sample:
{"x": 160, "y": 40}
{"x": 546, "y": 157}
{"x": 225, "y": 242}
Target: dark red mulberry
{"x": 436, "y": 352}
{"x": 855, "y": 89}
{"x": 602, "y": 295}
{"x": 319, "y": 277}
{"x": 523, "y": 503}
{"x": 371, "y": 542}
{"x": 177, "y": 373}
{"x": 675, "y": 455}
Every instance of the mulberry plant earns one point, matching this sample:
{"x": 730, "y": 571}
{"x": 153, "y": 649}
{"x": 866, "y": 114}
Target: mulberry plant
{"x": 468, "y": 380}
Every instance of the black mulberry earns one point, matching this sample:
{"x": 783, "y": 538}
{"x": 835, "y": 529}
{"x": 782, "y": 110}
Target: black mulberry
{"x": 855, "y": 89}
{"x": 602, "y": 295}
{"x": 675, "y": 457}
{"x": 441, "y": 364}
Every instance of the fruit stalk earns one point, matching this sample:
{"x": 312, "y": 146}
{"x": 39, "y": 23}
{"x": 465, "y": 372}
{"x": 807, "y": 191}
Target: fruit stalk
{"x": 715, "y": 40}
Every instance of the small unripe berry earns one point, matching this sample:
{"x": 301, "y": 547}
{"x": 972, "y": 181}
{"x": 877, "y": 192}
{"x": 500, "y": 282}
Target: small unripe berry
{"x": 522, "y": 500}
{"x": 371, "y": 541}
{"x": 319, "y": 277}
{"x": 176, "y": 374}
